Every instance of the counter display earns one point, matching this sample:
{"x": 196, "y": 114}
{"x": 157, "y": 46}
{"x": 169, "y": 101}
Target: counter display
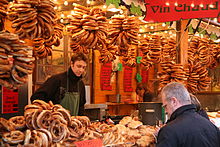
{"x": 48, "y": 124}
{"x": 215, "y": 118}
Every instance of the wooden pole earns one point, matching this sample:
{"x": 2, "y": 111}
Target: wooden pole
{"x": 182, "y": 41}
{"x": 92, "y": 83}
{"x": 118, "y": 96}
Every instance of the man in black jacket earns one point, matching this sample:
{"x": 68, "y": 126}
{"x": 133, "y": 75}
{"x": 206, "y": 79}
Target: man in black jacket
{"x": 185, "y": 127}
{"x": 66, "y": 88}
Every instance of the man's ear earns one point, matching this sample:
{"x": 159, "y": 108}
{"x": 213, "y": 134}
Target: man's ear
{"x": 174, "y": 101}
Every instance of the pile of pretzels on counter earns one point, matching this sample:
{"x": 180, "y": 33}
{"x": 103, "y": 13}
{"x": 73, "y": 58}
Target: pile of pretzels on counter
{"x": 47, "y": 124}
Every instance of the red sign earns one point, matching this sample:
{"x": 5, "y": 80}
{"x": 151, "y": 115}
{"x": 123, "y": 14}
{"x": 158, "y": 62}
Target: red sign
{"x": 9, "y": 101}
{"x": 128, "y": 79}
{"x": 89, "y": 143}
{"x": 144, "y": 75}
{"x": 105, "y": 76}
{"x": 172, "y": 10}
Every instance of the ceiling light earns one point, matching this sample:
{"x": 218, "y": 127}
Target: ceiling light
{"x": 114, "y": 10}
{"x": 201, "y": 5}
{"x": 72, "y": 12}
{"x": 211, "y": 6}
{"x": 167, "y": 3}
{"x": 88, "y": 2}
{"x": 104, "y": 6}
{"x": 65, "y": 3}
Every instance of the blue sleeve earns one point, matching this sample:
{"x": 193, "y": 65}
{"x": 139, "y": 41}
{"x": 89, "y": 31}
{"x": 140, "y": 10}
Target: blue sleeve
{"x": 166, "y": 138}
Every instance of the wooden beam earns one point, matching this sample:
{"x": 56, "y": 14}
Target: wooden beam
{"x": 182, "y": 41}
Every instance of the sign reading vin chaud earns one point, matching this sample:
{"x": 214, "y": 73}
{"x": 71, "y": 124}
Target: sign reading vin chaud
{"x": 172, "y": 10}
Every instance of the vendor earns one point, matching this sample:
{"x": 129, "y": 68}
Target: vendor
{"x": 66, "y": 88}
{"x": 143, "y": 93}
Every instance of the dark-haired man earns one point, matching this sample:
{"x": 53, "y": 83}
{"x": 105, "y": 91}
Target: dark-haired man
{"x": 66, "y": 88}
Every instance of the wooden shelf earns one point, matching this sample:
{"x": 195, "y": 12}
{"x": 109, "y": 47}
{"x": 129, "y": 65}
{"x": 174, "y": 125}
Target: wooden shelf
{"x": 112, "y": 104}
{"x": 131, "y": 103}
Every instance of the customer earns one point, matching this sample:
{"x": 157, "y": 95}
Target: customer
{"x": 66, "y": 88}
{"x": 199, "y": 109}
{"x": 143, "y": 93}
{"x": 185, "y": 127}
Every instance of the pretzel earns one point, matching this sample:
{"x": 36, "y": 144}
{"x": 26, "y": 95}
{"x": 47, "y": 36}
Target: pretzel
{"x": 5, "y": 125}
{"x": 73, "y": 133}
{"x": 5, "y": 67}
{"x": 28, "y": 120}
{"x": 32, "y": 137}
{"x": 29, "y": 2}
{"x": 42, "y": 104}
{"x": 6, "y": 83}
{"x": 5, "y": 46}
{"x": 56, "y": 106}
{"x": 4, "y": 74}
{"x": 28, "y": 66}
{"x": 48, "y": 134}
{"x": 84, "y": 120}
{"x": 49, "y": 50}
{"x": 3, "y": 55}
{"x": 135, "y": 124}
{"x": 43, "y": 119}
{"x": 24, "y": 70}
{"x": 34, "y": 118}
{"x": 125, "y": 120}
{"x": 52, "y": 41}
{"x": 90, "y": 38}
{"x": 66, "y": 115}
{"x": 58, "y": 130}
{"x": 43, "y": 138}
{"x": 18, "y": 122}
{"x": 17, "y": 78}
{"x": 25, "y": 59}
{"x": 59, "y": 116}
{"x": 81, "y": 7}
{"x": 13, "y": 137}
{"x": 57, "y": 43}
{"x": 69, "y": 142}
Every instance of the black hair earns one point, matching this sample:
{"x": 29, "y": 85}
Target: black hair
{"x": 141, "y": 86}
{"x": 79, "y": 56}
